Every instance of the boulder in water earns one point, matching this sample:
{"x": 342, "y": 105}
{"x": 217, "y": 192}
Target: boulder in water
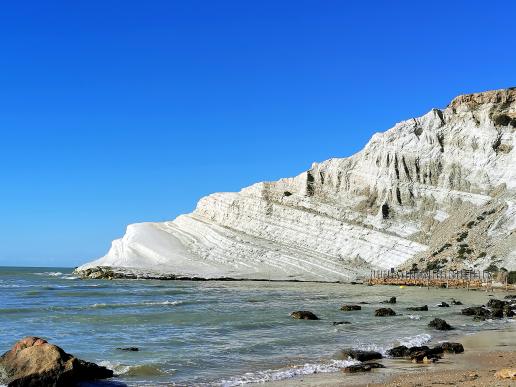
{"x": 348, "y": 308}
{"x": 443, "y": 305}
{"x": 34, "y": 362}
{"x": 497, "y": 304}
{"x": 391, "y": 300}
{"x": 440, "y": 325}
{"x": 384, "y": 312}
{"x": 423, "y": 308}
{"x": 341, "y": 322}
{"x": 476, "y": 311}
{"x": 129, "y": 349}
{"x": 360, "y": 355}
{"x": 304, "y": 315}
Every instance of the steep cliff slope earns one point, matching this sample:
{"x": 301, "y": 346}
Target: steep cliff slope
{"x": 440, "y": 188}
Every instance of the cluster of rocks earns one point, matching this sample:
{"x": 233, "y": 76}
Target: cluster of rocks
{"x": 417, "y": 354}
{"x": 34, "y": 362}
{"x": 493, "y": 309}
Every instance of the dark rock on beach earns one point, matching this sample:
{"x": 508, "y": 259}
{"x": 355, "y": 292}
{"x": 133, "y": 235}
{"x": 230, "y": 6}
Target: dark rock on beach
{"x": 366, "y": 367}
{"x": 304, "y": 315}
{"x": 425, "y": 356}
{"x": 418, "y": 308}
{"x": 360, "y": 355}
{"x": 391, "y": 300}
{"x": 384, "y": 312}
{"x": 451, "y": 347}
{"x": 33, "y": 362}
{"x": 348, "y": 308}
{"x": 440, "y": 325}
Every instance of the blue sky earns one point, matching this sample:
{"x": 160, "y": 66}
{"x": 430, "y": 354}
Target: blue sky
{"x": 115, "y": 112}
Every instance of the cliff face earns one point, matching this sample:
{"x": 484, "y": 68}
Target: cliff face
{"x": 440, "y": 188}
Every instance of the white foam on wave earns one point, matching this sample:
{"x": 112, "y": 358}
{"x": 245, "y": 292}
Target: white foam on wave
{"x": 50, "y": 273}
{"x": 408, "y": 341}
{"x": 414, "y": 317}
{"x": 288, "y": 373}
{"x": 415, "y": 341}
{"x": 149, "y": 303}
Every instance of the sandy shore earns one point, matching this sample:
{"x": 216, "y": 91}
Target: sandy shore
{"x": 485, "y": 353}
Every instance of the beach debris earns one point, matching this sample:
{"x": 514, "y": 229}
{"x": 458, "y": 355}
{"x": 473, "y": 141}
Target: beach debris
{"x": 440, "y": 325}
{"x": 129, "y": 349}
{"x": 384, "y": 312}
{"x": 391, "y": 300}
{"x": 348, "y": 308}
{"x": 360, "y": 355}
{"x": 341, "y": 322}
{"x": 365, "y": 367}
{"x": 35, "y": 362}
{"x": 506, "y": 373}
{"x": 418, "y": 308}
{"x": 443, "y": 305}
{"x": 304, "y": 315}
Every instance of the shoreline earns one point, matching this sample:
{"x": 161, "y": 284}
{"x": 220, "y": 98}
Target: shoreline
{"x": 485, "y": 353}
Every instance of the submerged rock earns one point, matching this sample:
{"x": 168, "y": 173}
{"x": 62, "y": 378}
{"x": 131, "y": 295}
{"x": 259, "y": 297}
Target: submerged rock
{"x": 440, "y": 324}
{"x": 384, "y": 312}
{"x": 348, "y": 308}
{"x": 360, "y": 355}
{"x": 418, "y": 308}
{"x": 129, "y": 349}
{"x": 366, "y": 367}
{"x": 34, "y": 362}
{"x": 443, "y": 305}
{"x": 455, "y": 302}
{"x": 391, "y": 300}
{"x": 341, "y": 323}
{"x": 304, "y": 315}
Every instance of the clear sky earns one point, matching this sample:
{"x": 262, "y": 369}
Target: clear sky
{"x": 115, "y": 112}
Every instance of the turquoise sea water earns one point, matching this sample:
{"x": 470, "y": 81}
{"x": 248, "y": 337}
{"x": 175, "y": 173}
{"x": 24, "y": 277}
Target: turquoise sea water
{"x": 216, "y": 333}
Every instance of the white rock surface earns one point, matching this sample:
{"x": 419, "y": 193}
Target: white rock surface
{"x": 393, "y": 202}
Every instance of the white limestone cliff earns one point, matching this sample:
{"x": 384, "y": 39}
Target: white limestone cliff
{"x": 407, "y": 198}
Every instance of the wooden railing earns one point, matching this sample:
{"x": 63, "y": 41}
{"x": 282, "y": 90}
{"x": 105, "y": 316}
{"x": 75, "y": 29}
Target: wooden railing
{"x": 439, "y": 278}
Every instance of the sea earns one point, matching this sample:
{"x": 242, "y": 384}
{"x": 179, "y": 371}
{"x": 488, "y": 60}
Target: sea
{"x": 218, "y": 333}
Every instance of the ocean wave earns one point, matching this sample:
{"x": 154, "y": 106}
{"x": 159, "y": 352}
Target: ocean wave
{"x": 287, "y": 373}
{"x": 50, "y": 273}
{"x": 133, "y": 370}
{"x": 415, "y": 341}
{"x": 148, "y": 303}
{"x": 414, "y": 317}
